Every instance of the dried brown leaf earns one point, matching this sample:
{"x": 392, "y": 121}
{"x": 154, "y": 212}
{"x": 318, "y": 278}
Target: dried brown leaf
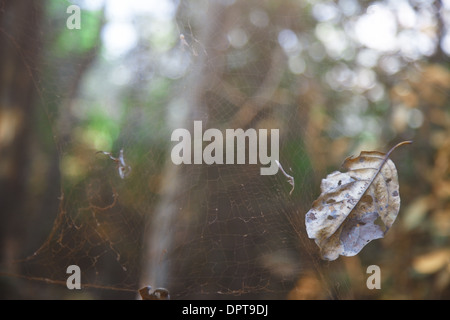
{"x": 355, "y": 206}
{"x": 158, "y": 294}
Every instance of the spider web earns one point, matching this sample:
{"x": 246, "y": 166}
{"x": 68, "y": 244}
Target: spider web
{"x": 200, "y": 231}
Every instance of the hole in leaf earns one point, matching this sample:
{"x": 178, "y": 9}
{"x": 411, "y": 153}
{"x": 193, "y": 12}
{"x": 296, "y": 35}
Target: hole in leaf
{"x": 379, "y": 222}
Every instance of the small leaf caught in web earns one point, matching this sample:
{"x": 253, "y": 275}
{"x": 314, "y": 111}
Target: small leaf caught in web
{"x": 159, "y": 293}
{"x": 124, "y": 169}
{"x": 355, "y": 206}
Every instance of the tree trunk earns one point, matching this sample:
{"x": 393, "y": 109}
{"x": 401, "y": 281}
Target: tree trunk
{"x": 220, "y": 229}
{"x": 169, "y": 220}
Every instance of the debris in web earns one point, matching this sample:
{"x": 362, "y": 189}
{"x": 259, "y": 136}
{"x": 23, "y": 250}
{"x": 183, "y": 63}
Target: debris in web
{"x": 184, "y": 43}
{"x": 158, "y": 294}
{"x": 124, "y": 169}
{"x": 356, "y": 206}
{"x": 190, "y": 47}
{"x": 290, "y": 179}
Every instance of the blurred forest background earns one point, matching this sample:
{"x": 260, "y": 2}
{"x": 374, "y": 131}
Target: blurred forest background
{"x": 335, "y": 77}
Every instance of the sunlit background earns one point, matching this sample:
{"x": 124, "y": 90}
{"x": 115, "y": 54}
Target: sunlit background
{"x": 359, "y": 44}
